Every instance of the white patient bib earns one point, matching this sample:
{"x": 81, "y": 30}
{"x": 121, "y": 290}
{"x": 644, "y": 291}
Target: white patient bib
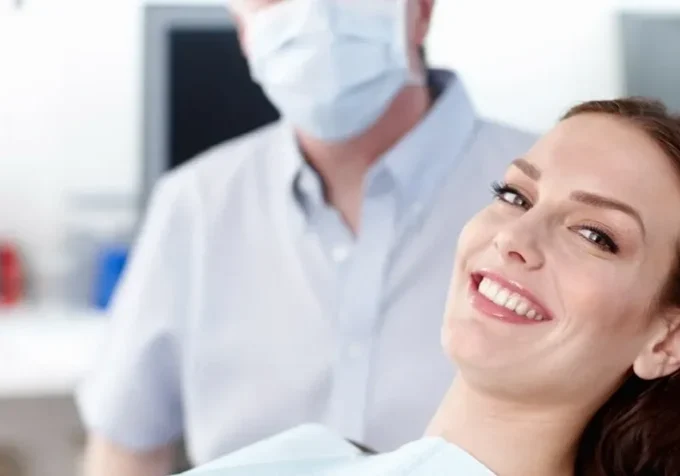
{"x": 312, "y": 450}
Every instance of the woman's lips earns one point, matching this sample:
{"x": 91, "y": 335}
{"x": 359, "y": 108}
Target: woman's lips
{"x": 499, "y": 297}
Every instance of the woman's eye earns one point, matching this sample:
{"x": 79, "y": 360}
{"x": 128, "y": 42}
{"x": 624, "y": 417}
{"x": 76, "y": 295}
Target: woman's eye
{"x": 599, "y": 238}
{"x": 510, "y": 195}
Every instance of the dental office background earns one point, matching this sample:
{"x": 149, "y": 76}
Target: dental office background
{"x": 84, "y": 134}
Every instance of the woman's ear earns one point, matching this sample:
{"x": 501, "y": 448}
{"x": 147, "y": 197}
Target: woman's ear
{"x": 661, "y": 355}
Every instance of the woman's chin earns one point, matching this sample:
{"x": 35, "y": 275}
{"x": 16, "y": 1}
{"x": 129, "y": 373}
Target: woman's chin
{"x": 466, "y": 342}
{"x": 470, "y": 343}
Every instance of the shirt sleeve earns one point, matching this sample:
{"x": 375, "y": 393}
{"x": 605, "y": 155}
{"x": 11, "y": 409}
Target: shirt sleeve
{"x": 133, "y": 395}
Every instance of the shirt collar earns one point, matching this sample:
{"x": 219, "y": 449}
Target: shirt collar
{"x": 416, "y": 163}
{"x": 433, "y": 146}
{"x": 290, "y": 161}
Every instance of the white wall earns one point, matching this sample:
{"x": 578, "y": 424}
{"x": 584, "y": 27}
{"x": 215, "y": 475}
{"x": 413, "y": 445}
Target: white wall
{"x": 70, "y": 112}
{"x": 70, "y": 87}
{"x": 69, "y": 97}
{"x": 526, "y": 61}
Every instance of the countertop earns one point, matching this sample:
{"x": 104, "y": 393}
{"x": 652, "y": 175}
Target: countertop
{"x": 46, "y": 351}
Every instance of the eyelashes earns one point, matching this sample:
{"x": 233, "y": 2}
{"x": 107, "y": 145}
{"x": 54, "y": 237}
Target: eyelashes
{"x": 596, "y": 236}
{"x": 599, "y": 238}
{"x": 510, "y": 195}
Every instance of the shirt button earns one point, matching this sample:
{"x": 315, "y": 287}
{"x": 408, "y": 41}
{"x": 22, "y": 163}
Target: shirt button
{"x": 355, "y": 351}
{"x": 340, "y": 254}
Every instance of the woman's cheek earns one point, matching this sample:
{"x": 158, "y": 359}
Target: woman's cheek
{"x": 478, "y": 231}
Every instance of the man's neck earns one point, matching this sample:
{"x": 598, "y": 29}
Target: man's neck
{"x": 511, "y": 439}
{"x": 343, "y": 166}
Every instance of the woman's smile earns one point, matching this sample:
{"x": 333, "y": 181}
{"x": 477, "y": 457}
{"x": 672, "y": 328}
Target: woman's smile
{"x": 496, "y": 296}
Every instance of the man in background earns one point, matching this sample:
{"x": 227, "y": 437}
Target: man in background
{"x": 280, "y": 276}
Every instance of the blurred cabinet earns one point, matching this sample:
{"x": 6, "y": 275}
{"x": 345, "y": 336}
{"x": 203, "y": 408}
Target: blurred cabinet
{"x": 12, "y": 462}
{"x": 40, "y": 437}
{"x": 43, "y": 355}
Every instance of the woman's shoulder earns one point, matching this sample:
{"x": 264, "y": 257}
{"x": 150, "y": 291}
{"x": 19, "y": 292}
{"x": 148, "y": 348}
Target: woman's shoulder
{"x": 315, "y": 450}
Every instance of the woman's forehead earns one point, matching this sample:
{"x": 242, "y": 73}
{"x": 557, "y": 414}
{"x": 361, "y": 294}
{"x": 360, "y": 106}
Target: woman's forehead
{"x": 609, "y": 156}
{"x": 602, "y": 146}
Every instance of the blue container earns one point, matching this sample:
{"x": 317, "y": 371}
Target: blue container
{"x": 110, "y": 265}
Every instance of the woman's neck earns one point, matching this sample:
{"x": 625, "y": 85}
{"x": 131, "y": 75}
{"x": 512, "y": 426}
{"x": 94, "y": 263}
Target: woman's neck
{"x": 509, "y": 438}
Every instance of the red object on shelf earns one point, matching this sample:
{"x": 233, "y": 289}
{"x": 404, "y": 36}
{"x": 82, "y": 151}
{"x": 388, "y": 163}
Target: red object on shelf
{"x": 11, "y": 275}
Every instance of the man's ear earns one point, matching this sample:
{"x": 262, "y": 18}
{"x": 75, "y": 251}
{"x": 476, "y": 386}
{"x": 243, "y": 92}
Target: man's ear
{"x": 661, "y": 355}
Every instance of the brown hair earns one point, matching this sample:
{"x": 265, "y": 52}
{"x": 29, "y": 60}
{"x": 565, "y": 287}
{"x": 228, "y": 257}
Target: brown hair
{"x": 637, "y": 431}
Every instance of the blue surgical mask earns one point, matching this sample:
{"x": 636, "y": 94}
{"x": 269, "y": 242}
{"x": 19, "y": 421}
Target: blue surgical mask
{"x": 331, "y": 67}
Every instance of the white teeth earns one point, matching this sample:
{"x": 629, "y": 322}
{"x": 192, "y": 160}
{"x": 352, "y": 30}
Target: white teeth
{"x": 522, "y": 308}
{"x": 504, "y": 297}
{"x": 512, "y": 302}
{"x": 492, "y": 289}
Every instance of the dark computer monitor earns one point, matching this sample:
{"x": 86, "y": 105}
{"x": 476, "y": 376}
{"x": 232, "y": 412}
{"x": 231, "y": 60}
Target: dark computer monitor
{"x": 197, "y": 87}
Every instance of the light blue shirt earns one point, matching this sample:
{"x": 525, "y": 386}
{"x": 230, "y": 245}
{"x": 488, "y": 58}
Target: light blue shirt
{"x": 249, "y": 308}
{"x": 312, "y": 450}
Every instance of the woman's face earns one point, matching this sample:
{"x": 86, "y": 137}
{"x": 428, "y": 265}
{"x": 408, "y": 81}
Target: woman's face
{"x": 555, "y": 284}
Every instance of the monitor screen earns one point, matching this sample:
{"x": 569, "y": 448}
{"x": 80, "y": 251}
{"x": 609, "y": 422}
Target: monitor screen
{"x": 197, "y": 88}
{"x": 212, "y": 97}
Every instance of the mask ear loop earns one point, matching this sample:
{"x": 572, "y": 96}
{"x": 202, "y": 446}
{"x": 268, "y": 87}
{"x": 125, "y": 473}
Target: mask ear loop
{"x": 415, "y": 78}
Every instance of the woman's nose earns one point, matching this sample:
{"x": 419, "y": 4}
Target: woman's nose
{"x": 519, "y": 247}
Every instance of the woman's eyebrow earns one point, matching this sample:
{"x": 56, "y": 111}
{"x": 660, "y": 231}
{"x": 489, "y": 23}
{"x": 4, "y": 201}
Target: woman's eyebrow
{"x": 598, "y": 201}
{"x": 587, "y": 198}
{"x": 529, "y": 169}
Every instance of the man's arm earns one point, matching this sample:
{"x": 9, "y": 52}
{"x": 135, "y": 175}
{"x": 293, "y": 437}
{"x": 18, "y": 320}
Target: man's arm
{"x": 133, "y": 396}
{"x": 103, "y": 458}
